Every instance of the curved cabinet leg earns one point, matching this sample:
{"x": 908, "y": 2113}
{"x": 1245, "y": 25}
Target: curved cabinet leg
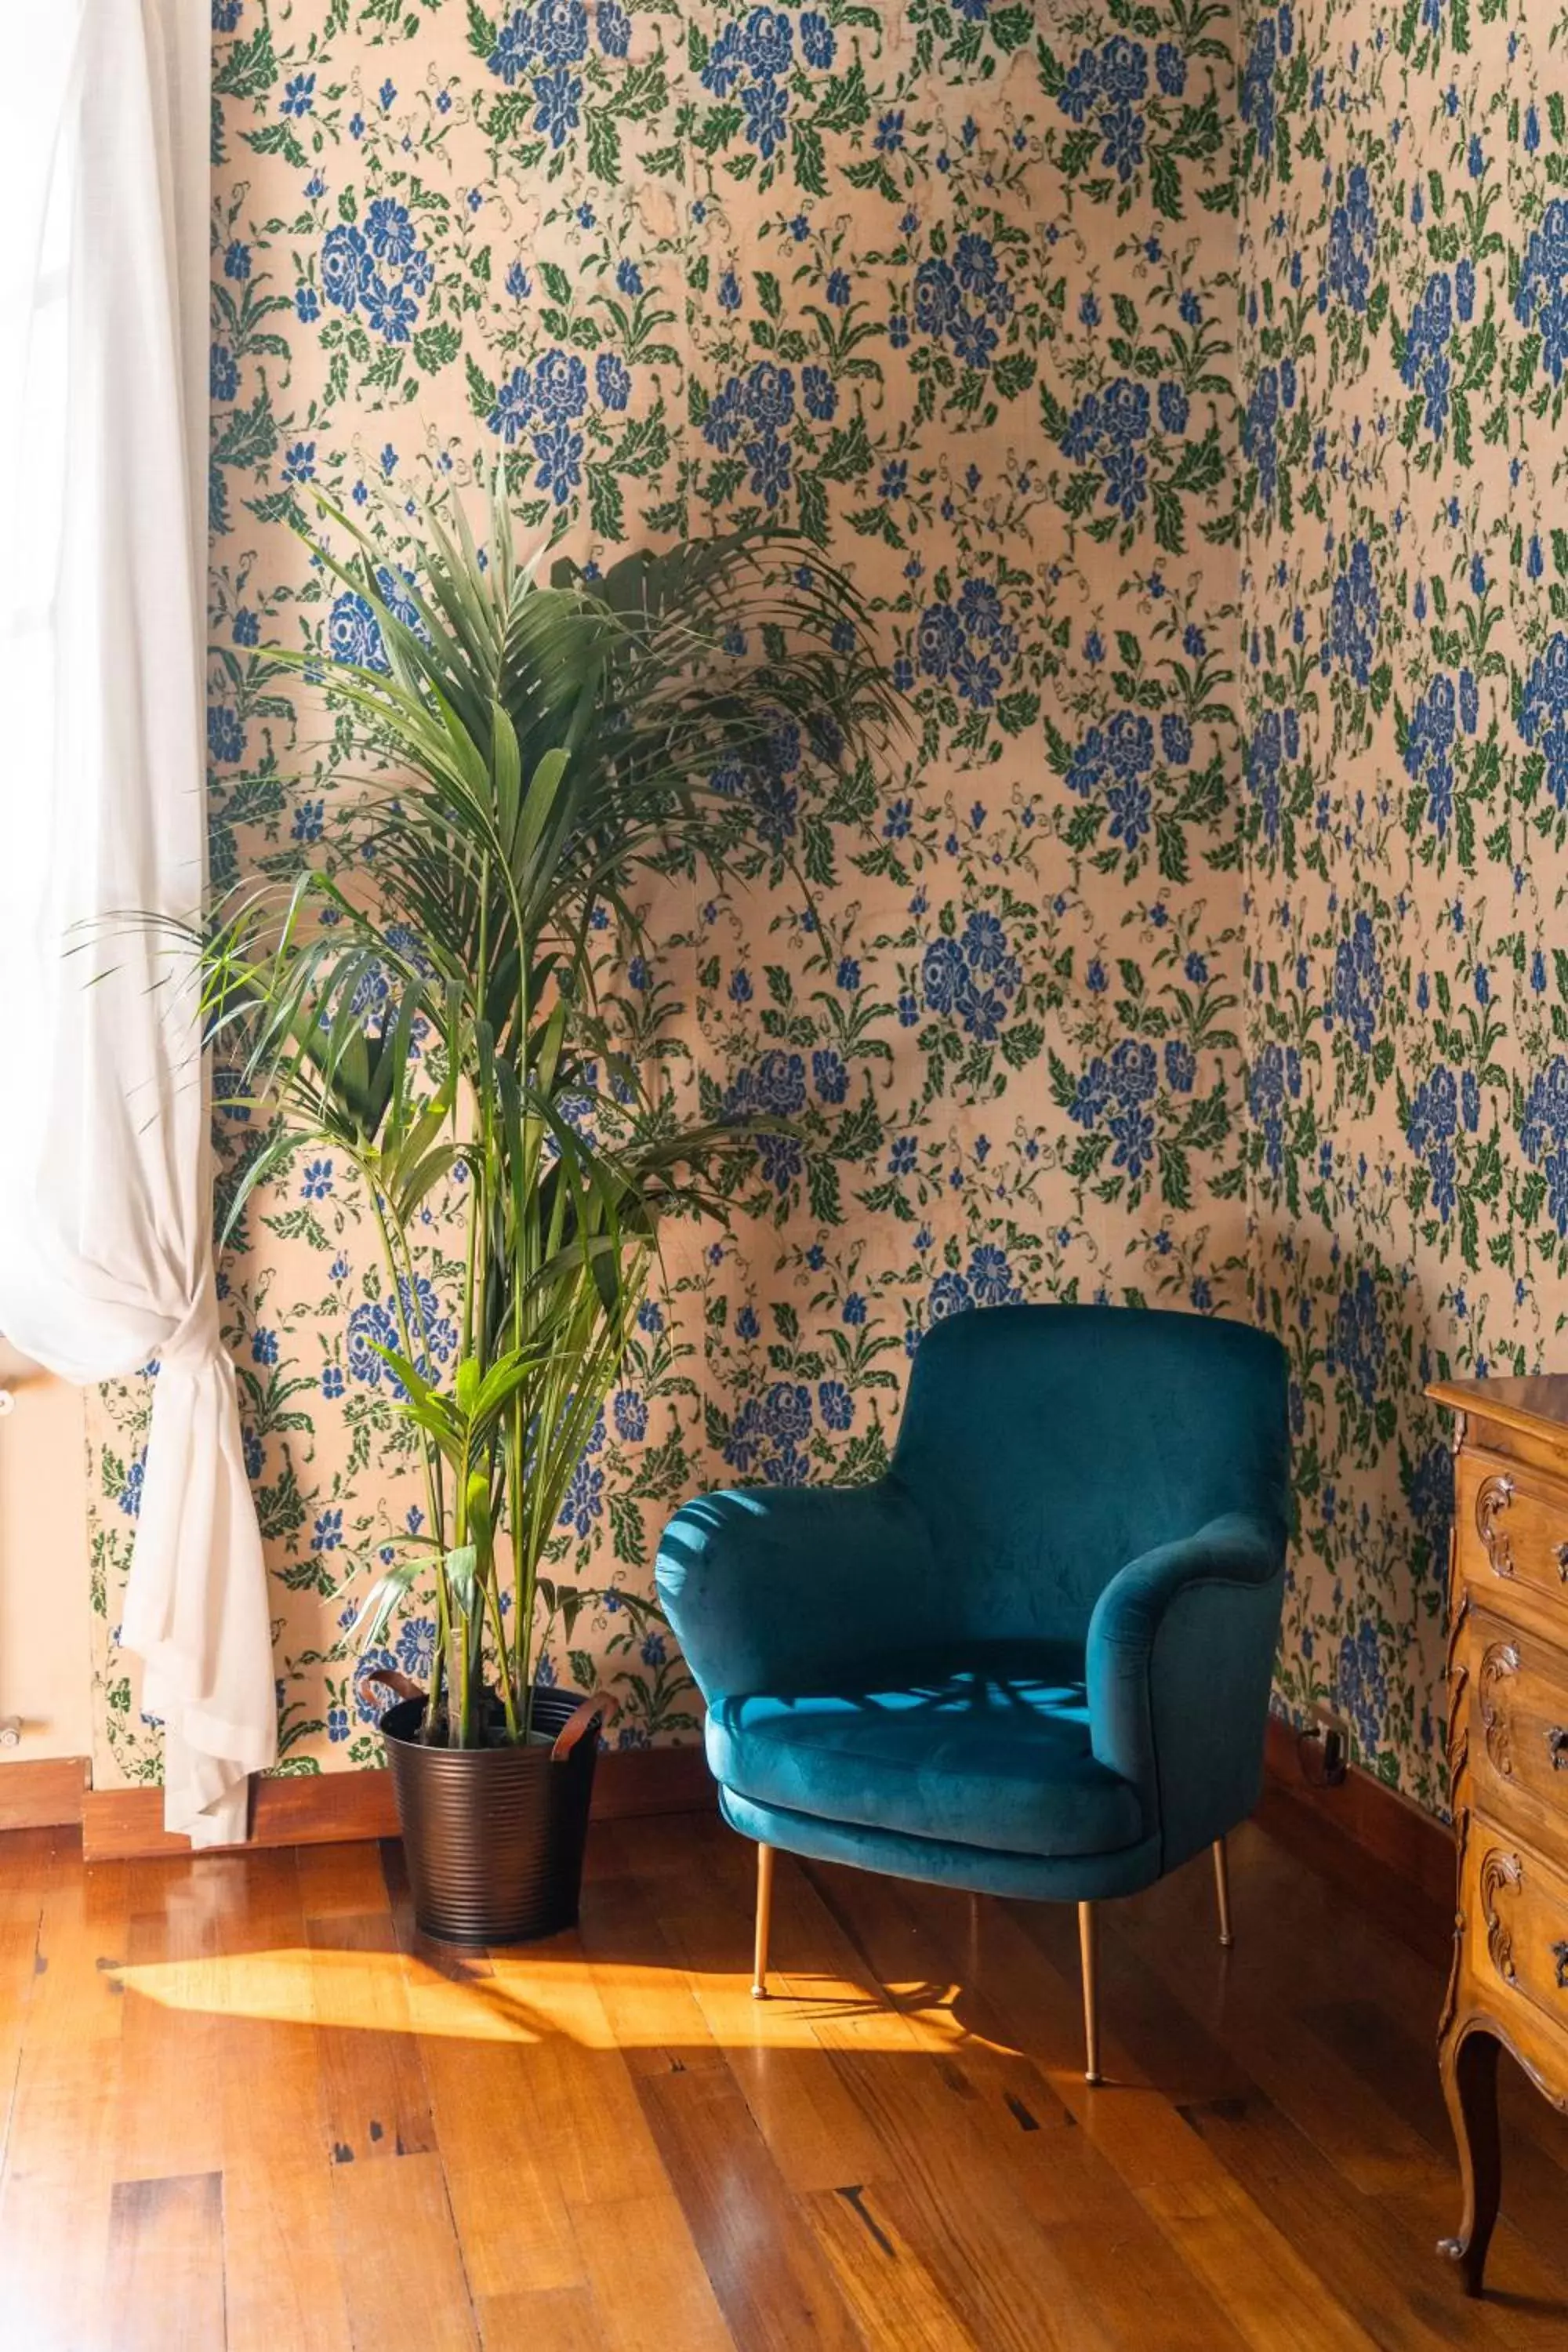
{"x": 1469, "y": 2062}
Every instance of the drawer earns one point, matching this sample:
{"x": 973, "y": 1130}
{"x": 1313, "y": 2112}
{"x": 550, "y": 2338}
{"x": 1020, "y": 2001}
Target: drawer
{"x": 1517, "y": 1700}
{"x": 1512, "y": 1528}
{"x": 1515, "y": 1907}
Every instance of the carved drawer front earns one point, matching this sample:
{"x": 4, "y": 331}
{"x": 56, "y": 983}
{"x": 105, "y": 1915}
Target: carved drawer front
{"x": 1517, "y": 1695}
{"x": 1516, "y": 1926}
{"x": 1512, "y": 1526}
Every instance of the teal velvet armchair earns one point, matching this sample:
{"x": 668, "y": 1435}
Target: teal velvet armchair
{"x": 1035, "y": 1658}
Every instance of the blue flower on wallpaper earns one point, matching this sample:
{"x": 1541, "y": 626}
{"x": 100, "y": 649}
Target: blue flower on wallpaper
{"x": 940, "y": 307}
{"x": 345, "y": 256}
{"x": 1429, "y": 748}
{"x": 1260, "y": 432}
{"x": 1542, "y": 300}
{"x": 1174, "y": 408}
{"x": 991, "y": 1277}
{"x": 130, "y": 1496}
{"x": 950, "y": 1295}
{"x": 1354, "y": 613}
{"x": 630, "y": 1412}
{"x": 1543, "y": 714}
{"x": 1111, "y": 84}
{"x": 768, "y": 1432}
{"x": 373, "y": 1325}
{"x": 1430, "y": 1131}
{"x": 560, "y": 386}
{"x": 1109, "y": 426}
{"x": 775, "y": 1085}
{"x": 540, "y": 46}
{"x": 1275, "y": 1078}
{"x": 417, "y": 1647}
{"x": 558, "y": 96}
{"x": 353, "y": 633}
{"x": 389, "y": 231}
{"x": 1544, "y": 1135}
{"x": 584, "y": 1497}
{"x": 1361, "y": 1685}
{"x": 226, "y": 734}
{"x": 766, "y": 41}
{"x": 968, "y": 642}
{"x": 1180, "y": 1067}
{"x": 513, "y": 407}
{"x": 612, "y": 380}
{"x": 1257, "y": 95}
{"x": 1275, "y": 739}
{"x": 559, "y": 453}
{"x": 764, "y": 105}
{"x": 1171, "y": 69}
{"x": 975, "y": 976}
{"x": 1357, "y": 981}
{"x": 1353, "y": 243}
{"x": 1361, "y": 1343}
{"x": 1115, "y": 1091}
{"x": 1426, "y": 367}
{"x": 1115, "y": 757}
{"x": 836, "y": 1405}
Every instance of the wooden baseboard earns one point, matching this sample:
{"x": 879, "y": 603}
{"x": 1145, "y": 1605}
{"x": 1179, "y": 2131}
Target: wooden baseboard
{"x": 42, "y": 1793}
{"x": 1387, "y": 1850}
{"x": 1362, "y": 1827}
{"x": 337, "y": 1808}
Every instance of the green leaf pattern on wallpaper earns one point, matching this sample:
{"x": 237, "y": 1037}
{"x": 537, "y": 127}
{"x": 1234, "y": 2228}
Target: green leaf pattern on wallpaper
{"x": 1183, "y": 397}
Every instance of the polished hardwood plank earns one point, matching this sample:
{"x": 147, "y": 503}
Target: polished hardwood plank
{"x": 210, "y": 2064}
{"x": 165, "y": 2265}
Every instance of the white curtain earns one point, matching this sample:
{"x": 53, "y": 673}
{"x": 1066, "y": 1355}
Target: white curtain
{"x": 105, "y": 1186}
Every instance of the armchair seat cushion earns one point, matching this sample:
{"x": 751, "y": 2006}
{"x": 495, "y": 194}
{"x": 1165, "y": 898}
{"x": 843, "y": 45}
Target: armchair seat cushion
{"x": 985, "y": 1746}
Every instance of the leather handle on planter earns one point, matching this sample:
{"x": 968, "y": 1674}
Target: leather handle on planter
{"x": 390, "y": 1679}
{"x": 578, "y": 1721}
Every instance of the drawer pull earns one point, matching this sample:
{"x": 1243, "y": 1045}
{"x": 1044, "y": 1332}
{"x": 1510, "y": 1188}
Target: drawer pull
{"x": 1561, "y": 1556}
{"x": 1492, "y": 1500}
{"x": 1560, "y": 1954}
{"x": 1557, "y": 1747}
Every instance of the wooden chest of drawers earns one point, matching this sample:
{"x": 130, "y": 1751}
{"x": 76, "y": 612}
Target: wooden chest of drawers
{"x": 1508, "y": 1762}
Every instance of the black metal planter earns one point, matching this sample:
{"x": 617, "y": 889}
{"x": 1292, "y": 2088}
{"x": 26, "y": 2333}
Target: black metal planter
{"x": 493, "y": 1837}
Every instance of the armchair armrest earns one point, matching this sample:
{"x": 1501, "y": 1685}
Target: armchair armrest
{"x": 1179, "y": 1666}
{"x": 768, "y": 1587}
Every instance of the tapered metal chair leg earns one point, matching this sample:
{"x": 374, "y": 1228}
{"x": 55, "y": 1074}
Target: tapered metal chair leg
{"x": 1222, "y": 1889}
{"x": 1087, "y": 1944}
{"x": 764, "y": 1921}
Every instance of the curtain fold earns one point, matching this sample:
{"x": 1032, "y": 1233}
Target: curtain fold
{"x": 105, "y": 1181}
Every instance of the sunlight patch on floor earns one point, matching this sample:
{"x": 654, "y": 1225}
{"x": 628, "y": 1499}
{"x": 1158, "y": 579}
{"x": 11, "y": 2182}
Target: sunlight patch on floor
{"x": 525, "y": 2000}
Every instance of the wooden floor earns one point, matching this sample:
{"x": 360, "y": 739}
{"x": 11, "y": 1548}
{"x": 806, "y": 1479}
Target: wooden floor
{"x": 245, "y": 2106}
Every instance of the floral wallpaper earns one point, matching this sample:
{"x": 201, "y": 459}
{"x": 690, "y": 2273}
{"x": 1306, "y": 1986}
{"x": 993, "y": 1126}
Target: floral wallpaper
{"x": 1185, "y": 396}
{"x": 1404, "y": 790}
{"x": 952, "y": 292}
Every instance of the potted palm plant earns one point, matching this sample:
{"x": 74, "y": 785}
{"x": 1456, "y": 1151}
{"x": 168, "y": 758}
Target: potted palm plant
{"x": 536, "y": 745}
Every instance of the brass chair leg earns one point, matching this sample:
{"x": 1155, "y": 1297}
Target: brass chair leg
{"x": 1086, "y": 1943}
{"x": 1221, "y": 1888}
{"x": 764, "y": 1921}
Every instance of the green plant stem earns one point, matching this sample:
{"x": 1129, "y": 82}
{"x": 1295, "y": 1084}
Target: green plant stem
{"x": 432, "y": 1470}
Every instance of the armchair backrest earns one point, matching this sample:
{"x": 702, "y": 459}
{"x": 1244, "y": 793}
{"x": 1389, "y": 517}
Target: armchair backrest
{"x": 1046, "y": 1446}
